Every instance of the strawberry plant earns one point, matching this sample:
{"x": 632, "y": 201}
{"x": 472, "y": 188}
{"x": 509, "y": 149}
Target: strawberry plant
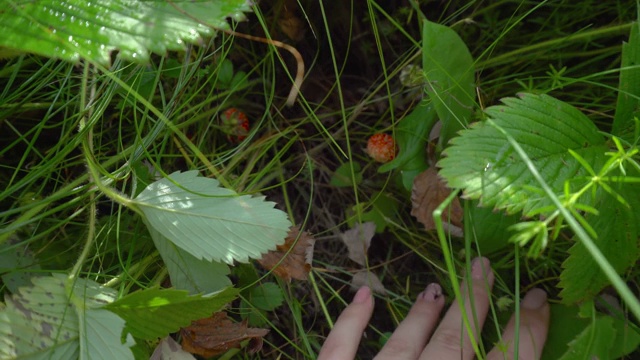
{"x": 170, "y": 186}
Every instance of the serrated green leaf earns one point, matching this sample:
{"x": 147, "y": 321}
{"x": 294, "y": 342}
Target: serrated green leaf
{"x": 210, "y": 222}
{"x": 449, "y": 72}
{"x": 155, "y": 313}
{"x": 628, "y": 104}
{"x": 75, "y": 29}
{"x": 482, "y": 162}
{"x": 51, "y": 319}
{"x": 618, "y": 231}
{"x": 197, "y": 276}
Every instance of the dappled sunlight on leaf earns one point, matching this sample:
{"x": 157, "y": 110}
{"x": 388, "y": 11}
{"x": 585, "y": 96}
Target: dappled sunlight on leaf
{"x": 291, "y": 260}
{"x": 211, "y": 222}
{"x": 217, "y": 334}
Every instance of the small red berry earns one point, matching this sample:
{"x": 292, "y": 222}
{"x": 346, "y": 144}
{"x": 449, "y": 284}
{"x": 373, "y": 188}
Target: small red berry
{"x": 381, "y": 147}
{"x": 235, "y": 124}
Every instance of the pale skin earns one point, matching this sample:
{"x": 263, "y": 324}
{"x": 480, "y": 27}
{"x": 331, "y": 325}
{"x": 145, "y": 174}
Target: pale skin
{"x": 417, "y": 337}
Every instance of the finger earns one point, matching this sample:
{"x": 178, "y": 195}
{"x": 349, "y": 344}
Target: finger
{"x": 342, "y": 342}
{"x": 451, "y": 340}
{"x": 534, "y": 325}
{"x": 409, "y": 339}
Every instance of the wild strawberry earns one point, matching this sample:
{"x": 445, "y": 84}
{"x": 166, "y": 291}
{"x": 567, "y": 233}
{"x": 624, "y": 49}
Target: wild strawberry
{"x": 381, "y": 147}
{"x": 235, "y": 124}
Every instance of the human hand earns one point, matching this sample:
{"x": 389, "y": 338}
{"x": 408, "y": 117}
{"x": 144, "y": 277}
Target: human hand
{"x": 411, "y": 339}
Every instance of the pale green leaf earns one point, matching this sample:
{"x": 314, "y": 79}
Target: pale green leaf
{"x": 618, "y": 230}
{"x": 197, "y": 276}
{"x": 482, "y": 162}
{"x": 42, "y": 322}
{"x": 100, "y": 336}
{"x": 155, "y": 313}
{"x": 211, "y": 222}
{"x": 450, "y": 75}
{"x": 75, "y": 29}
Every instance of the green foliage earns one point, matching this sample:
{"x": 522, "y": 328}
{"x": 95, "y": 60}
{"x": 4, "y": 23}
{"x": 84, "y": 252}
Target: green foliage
{"x": 628, "y": 105}
{"x": 344, "y": 177}
{"x": 210, "y": 222}
{"x": 482, "y": 162}
{"x": 449, "y": 72}
{"x": 618, "y": 232}
{"x": 92, "y": 30}
{"x": 155, "y": 313}
{"x": 61, "y": 318}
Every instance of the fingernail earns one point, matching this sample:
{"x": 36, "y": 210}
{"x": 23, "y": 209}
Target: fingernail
{"x": 363, "y": 294}
{"x": 431, "y": 293}
{"x": 534, "y": 299}
{"x": 479, "y": 267}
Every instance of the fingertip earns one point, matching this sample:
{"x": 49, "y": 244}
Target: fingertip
{"x": 362, "y": 295}
{"x": 534, "y": 299}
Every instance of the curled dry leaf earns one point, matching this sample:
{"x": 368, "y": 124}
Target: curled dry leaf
{"x": 358, "y": 240}
{"x": 291, "y": 260}
{"x": 427, "y": 194}
{"x": 216, "y": 334}
{"x": 367, "y": 278}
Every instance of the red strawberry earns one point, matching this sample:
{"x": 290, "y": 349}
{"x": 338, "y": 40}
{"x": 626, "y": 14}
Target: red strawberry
{"x": 235, "y": 124}
{"x": 381, "y": 147}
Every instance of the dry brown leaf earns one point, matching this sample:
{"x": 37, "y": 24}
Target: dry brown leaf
{"x": 294, "y": 264}
{"x": 370, "y": 279}
{"x": 427, "y": 194}
{"x": 169, "y": 349}
{"x": 358, "y": 240}
{"x": 216, "y": 334}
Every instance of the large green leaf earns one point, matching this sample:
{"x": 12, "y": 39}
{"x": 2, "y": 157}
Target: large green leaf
{"x": 75, "y": 29}
{"x": 482, "y": 162}
{"x": 618, "y": 229}
{"x": 449, "y": 72}
{"x": 210, "y": 222}
{"x": 155, "y": 313}
{"x": 54, "y": 319}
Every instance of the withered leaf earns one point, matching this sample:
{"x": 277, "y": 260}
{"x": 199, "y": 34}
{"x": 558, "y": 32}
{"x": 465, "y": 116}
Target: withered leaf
{"x": 367, "y": 278}
{"x": 427, "y": 194}
{"x": 169, "y": 349}
{"x": 291, "y": 260}
{"x": 216, "y": 334}
{"x": 358, "y": 240}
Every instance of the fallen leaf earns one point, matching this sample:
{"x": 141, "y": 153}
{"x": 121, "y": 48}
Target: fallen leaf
{"x": 427, "y": 194}
{"x": 358, "y": 240}
{"x": 169, "y": 349}
{"x": 370, "y": 279}
{"x": 216, "y": 334}
{"x": 291, "y": 260}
